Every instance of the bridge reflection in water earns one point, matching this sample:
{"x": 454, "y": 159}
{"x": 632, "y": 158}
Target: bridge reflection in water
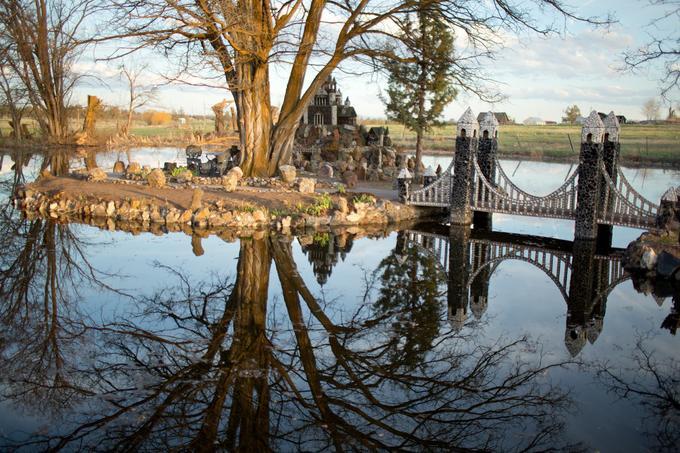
{"x": 584, "y": 273}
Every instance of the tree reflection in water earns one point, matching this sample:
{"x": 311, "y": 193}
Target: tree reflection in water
{"x": 655, "y": 385}
{"x": 204, "y": 365}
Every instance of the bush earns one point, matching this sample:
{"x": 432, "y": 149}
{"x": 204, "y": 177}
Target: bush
{"x": 153, "y": 118}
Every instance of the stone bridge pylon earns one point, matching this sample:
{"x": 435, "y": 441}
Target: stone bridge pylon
{"x": 596, "y": 195}
{"x": 469, "y": 258}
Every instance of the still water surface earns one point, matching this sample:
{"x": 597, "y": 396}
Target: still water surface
{"x": 321, "y": 341}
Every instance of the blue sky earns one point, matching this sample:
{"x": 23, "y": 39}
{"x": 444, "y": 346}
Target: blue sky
{"x": 539, "y": 76}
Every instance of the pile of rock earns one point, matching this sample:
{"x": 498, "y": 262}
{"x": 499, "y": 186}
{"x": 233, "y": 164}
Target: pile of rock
{"x": 358, "y": 163}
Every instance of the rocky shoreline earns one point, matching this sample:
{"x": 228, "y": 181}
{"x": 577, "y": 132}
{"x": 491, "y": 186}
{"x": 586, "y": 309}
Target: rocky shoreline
{"x": 100, "y": 202}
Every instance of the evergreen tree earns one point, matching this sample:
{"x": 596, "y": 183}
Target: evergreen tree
{"x": 420, "y": 87}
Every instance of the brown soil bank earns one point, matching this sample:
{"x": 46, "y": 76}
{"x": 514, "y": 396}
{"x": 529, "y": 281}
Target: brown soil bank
{"x": 206, "y": 206}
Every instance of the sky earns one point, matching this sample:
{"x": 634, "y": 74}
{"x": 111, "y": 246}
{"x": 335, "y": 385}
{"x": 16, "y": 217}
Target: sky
{"x": 538, "y": 76}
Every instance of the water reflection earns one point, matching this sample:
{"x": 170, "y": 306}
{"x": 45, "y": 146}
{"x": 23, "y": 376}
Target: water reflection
{"x": 585, "y": 272}
{"x": 203, "y": 364}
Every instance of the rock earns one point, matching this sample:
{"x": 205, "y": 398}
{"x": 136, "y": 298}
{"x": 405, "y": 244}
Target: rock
{"x": 172, "y": 217}
{"x": 288, "y": 173}
{"x": 648, "y": 259}
{"x": 156, "y": 178}
{"x": 201, "y": 216}
{"x": 185, "y": 175}
{"x": 96, "y": 174}
{"x": 229, "y": 182}
{"x": 119, "y": 167}
{"x": 186, "y": 216}
{"x": 110, "y": 209}
{"x": 133, "y": 168}
{"x": 343, "y": 205}
{"x": 196, "y": 198}
{"x": 326, "y": 171}
{"x": 350, "y": 179}
{"x": 306, "y": 185}
{"x": 236, "y": 173}
{"x": 259, "y": 217}
{"x": 341, "y": 165}
{"x": 285, "y": 222}
{"x": 667, "y": 264}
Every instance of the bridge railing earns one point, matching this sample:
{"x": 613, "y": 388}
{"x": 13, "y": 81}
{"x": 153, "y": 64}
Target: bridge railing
{"x": 627, "y": 206}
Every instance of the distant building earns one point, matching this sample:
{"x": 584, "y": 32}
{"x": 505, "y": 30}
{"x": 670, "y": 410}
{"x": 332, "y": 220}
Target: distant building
{"x": 621, "y": 118}
{"x": 328, "y": 109}
{"x": 502, "y": 117}
{"x": 551, "y": 123}
{"x": 534, "y": 121}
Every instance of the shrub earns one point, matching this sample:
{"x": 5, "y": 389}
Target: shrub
{"x": 364, "y": 198}
{"x": 153, "y": 118}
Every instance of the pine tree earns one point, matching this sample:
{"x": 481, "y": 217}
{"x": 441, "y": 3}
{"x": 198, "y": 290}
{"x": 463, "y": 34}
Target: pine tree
{"x": 418, "y": 90}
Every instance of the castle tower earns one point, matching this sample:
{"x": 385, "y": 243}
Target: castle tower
{"x": 467, "y": 132}
{"x": 588, "y": 198}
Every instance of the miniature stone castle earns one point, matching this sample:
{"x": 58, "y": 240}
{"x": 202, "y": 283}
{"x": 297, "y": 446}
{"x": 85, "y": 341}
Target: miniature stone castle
{"x": 328, "y": 109}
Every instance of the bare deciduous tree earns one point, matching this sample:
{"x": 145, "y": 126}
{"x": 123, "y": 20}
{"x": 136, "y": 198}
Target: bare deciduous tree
{"x": 244, "y": 38}
{"x": 140, "y": 95}
{"x": 42, "y": 38}
{"x": 651, "y": 109}
{"x": 13, "y": 94}
{"x": 663, "y": 47}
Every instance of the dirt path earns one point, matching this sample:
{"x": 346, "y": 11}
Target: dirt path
{"x": 179, "y": 198}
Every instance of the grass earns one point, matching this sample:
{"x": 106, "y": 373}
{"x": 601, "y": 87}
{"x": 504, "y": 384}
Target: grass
{"x": 106, "y": 128}
{"x": 638, "y": 142}
{"x": 644, "y": 143}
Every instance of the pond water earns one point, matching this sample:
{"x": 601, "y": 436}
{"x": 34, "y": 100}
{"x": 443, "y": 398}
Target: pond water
{"x": 336, "y": 341}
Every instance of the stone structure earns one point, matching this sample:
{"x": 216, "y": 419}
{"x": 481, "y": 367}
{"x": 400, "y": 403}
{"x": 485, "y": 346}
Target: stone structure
{"x": 486, "y": 157}
{"x": 589, "y": 181}
{"x": 327, "y": 107}
{"x": 466, "y": 147}
{"x": 468, "y": 258}
{"x": 596, "y": 195}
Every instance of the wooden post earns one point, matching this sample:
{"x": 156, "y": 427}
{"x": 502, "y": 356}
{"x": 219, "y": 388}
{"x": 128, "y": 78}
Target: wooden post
{"x": 93, "y": 107}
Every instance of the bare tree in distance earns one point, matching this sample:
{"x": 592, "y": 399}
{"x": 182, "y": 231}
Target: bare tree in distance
{"x": 13, "y": 95}
{"x": 662, "y": 47}
{"x": 651, "y": 109}
{"x": 139, "y": 94}
{"x": 42, "y": 42}
{"x": 242, "y": 39}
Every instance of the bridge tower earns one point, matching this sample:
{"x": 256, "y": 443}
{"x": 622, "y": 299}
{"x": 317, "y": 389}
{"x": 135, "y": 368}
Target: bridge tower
{"x": 486, "y": 158}
{"x": 588, "y": 198}
{"x": 611, "y": 148}
{"x": 467, "y": 138}
{"x": 459, "y": 273}
{"x": 587, "y": 300}
{"x": 479, "y": 287}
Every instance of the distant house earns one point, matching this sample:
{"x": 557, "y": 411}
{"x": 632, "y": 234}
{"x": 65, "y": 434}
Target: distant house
{"x": 328, "y": 108}
{"x": 621, "y": 118}
{"x": 551, "y": 123}
{"x": 501, "y": 117}
{"x": 579, "y": 120}
{"x": 534, "y": 121}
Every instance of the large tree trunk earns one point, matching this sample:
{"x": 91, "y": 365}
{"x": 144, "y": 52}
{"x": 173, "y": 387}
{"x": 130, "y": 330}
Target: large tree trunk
{"x": 255, "y": 123}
